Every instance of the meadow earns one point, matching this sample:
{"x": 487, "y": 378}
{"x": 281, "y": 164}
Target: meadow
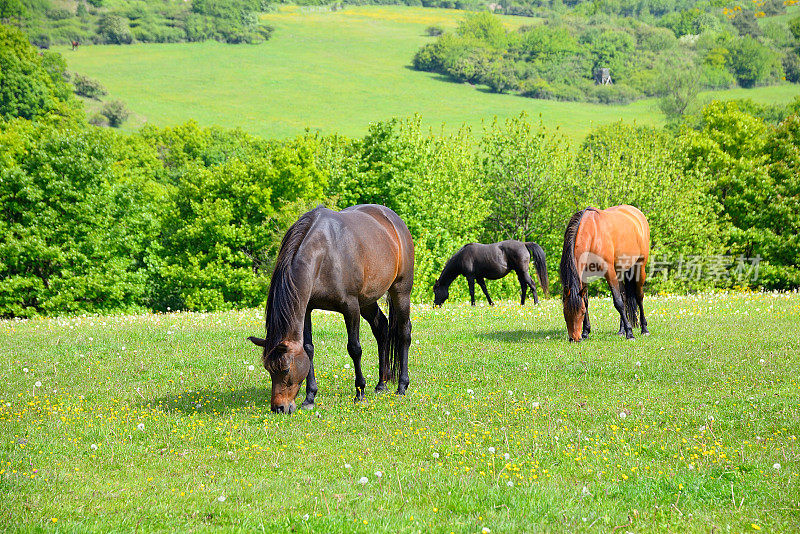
{"x": 161, "y": 422}
{"x": 332, "y": 72}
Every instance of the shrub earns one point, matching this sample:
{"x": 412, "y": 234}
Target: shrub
{"x": 113, "y": 29}
{"x": 116, "y": 112}
{"x": 434, "y": 31}
{"x": 85, "y": 86}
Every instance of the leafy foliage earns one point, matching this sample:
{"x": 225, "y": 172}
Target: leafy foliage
{"x": 31, "y": 85}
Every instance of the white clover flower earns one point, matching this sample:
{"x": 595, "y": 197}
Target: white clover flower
{"x": 25, "y": 370}
{"x": 378, "y": 474}
{"x": 622, "y": 415}
{"x": 506, "y": 456}
{"x": 585, "y": 491}
{"x": 638, "y": 364}
{"x": 491, "y": 450}
{"x": 485, "y": 530}
{"x": 221, "y": 498}
{"x": 140, "y": 426}
{"x": 776, "y": 466}
{"x": 347, "y": 366}
{"x": 435, "y": 454}
{"x": 347, "y": 466}
{"x": 535, "y": 405}
{"x": 38, "y": 384}
{"x": 251, "y": 367}
{"x": 363, "y": 480}
{"x": 305, "y": 517}
{"x": 93, "y": 446}
{"x": 470, "y": 392}
{"x": 510, "y": 483}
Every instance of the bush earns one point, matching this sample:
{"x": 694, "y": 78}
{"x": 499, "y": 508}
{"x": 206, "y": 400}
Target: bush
{"x": 434, "y": 31}
{"x": 116, "y": 112}
{"x": 791, "y": 66}
{"x": 113, "y": 29}
{"x": 85, "y": 86}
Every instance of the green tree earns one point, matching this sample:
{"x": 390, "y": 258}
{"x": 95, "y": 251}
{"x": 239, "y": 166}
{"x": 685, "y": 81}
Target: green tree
{"x": 751, "y": 62}
{"x": 31, "y": 85}
{"x": 77, "y": 208}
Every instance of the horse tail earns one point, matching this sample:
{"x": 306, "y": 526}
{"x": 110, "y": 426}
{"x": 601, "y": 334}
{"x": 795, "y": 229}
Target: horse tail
{"x": 540, "y": 263}
{"x": 570, "y": 279}
{"x": 395, "y": 341}
{"x": 629, "y": 295}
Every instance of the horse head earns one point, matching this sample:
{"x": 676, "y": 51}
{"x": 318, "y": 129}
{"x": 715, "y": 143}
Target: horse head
{"x": 574, "y": 312}
{"x": 440, "y": 293}
{"x": 288, "y": 366}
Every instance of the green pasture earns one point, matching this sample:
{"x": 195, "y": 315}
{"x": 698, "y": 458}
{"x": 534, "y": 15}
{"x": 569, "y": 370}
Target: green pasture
{"x": 333, "y": 72}
{"x": 162, "y": 423}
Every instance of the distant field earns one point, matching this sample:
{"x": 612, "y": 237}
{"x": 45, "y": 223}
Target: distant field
{"x": 333, "y": 72}
{"x": 162, "y": 423}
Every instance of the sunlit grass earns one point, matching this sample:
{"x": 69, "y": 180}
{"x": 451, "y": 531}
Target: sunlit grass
{"x": 332, "y": 72}
{"x": 162, "y": 422}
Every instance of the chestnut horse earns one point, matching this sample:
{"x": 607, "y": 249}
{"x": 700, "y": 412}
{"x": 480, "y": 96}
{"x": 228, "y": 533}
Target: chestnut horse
{"x": 613, "y": 243}
{"x": 339, "y": 261}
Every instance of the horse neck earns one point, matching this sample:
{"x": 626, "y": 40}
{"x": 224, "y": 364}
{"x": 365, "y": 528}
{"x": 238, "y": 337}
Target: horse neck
{"x": 287, "y": 305}
{"x": 450, "y": 271}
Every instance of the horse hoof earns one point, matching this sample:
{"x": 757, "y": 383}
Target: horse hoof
{"x": 631, "y": 338}
{"x": 380, "y": 388}
{"x": 307, "y": 406}
{"x": 645, "y": 333}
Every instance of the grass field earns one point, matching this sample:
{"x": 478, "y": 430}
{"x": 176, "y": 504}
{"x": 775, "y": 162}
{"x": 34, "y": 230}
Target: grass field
{"x": 333, "y": 72}
{"x": 162, "y": 423}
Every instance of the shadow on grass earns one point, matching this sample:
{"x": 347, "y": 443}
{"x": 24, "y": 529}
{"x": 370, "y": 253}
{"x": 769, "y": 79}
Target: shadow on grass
{"x": 212, "y": 401}
{"x": 520, "y": 336}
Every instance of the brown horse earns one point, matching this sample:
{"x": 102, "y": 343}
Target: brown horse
{"x": 75, "y": 45}
{"x": 613, "y": 243}
{"x": 339, "y": 261}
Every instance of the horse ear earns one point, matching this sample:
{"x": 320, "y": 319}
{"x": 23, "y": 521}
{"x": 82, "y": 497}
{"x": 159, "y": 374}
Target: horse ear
{"x": 258, "y": 341}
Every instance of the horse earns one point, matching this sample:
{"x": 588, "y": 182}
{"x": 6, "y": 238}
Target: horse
{"x": 478, "y": 262}
{"x": 75, "y": 45}
{"x": 339, "y": 261}
{"x": 613, "y": 243}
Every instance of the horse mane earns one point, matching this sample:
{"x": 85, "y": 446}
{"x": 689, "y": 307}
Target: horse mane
{"x": 570, "y": 278}
{"x": 283, "y": 296}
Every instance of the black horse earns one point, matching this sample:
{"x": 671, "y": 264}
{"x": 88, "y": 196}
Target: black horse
{"x": 478, "y": 262}
{"x": 340, "y": 261}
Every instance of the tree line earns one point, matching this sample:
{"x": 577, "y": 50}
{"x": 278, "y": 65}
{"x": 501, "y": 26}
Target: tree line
{"x": 561, "y": 57}
{"x": 190, "y": 218}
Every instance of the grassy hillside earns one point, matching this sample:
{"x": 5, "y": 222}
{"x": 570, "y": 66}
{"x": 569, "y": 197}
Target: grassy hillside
{"x": 162, "y": 422}
{"x": 334, "y": 72}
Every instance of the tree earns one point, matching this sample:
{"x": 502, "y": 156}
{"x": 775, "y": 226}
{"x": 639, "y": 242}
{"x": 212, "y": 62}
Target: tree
{"x": 750, "y": 61}
{"x": 678, "y": 86}
{"x": 31, "y": 85}
{"x": 11, "y": 9}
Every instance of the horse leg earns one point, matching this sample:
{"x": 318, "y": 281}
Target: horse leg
{"x": 311, "y": 380}
{"x": 471, "y": 284}
{"x": 352, "y": 319}
{"x": 482, "y": 283}
{"x": 640, "y": 298}
{"x": 525, "y": 282}
{"x": 619, "y": 303}
{"x": 587, "y": 326}
{"x": 380, "y": 329}
{"x": 402, "y": 307}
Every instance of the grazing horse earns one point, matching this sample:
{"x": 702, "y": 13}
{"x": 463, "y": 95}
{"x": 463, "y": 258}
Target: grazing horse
{"x": 613, "y": 243}
{"x": 75, "y": 45}
{"x": 478, "y": 262}
{"x": 339, "y": 261}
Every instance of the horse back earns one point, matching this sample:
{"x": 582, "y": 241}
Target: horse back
{"x": 367, "y": 250}
{"x": 626, "y": 229}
